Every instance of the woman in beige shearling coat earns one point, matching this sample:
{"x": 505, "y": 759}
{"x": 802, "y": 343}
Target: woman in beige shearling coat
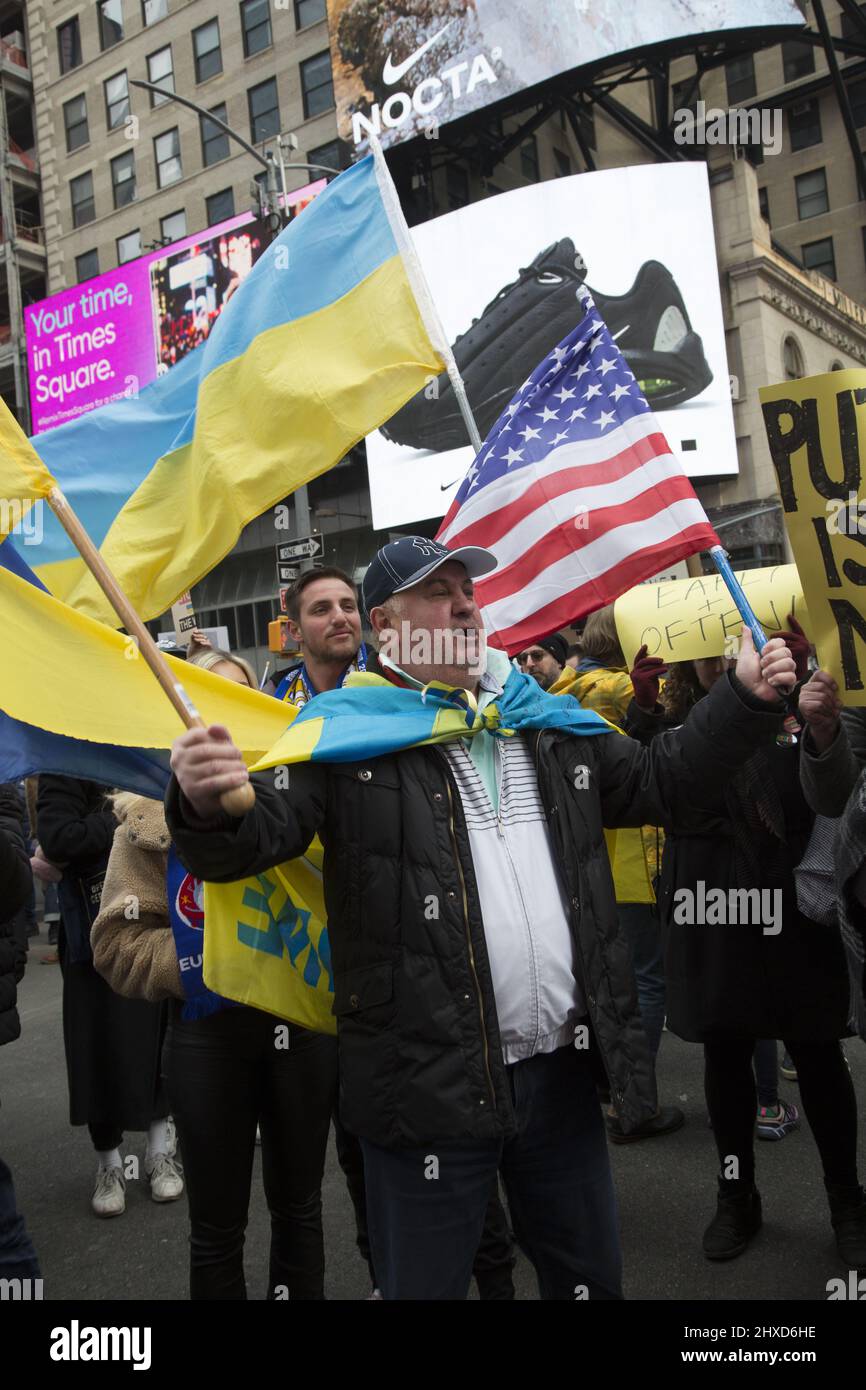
{"x": 131, "y": 939}
{"x": 225, "y": 1075}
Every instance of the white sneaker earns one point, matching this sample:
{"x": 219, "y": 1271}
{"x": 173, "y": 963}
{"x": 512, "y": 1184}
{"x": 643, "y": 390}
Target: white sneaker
{"x": 109, "y": 1197}
{"x": 170, "y": 1137}
{"x": 166, "y": 1182}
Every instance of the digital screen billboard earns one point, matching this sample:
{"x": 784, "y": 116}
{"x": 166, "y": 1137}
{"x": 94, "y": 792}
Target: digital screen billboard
{"x": 402, "y": 67}
{"x": 109, "y": 336}
{"x": 503, "y": 274}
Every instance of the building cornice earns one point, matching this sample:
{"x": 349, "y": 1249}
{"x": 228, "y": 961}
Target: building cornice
{"x": 821, "y": 308}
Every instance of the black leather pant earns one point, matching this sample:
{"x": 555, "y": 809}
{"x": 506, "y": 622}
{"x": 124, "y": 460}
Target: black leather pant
{"x": 225, "y": 1074}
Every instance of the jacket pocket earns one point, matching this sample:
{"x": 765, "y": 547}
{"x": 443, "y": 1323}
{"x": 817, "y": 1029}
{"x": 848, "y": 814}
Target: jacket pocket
{"x": 363, "y": 989}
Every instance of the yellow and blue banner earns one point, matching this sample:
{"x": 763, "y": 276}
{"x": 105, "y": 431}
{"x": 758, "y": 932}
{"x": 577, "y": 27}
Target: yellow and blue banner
{"x": 78, "y": 700}
{"x": 320, "y": 343}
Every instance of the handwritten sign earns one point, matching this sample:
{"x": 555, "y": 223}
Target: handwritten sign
{"x": 813, "y": 428}
{"x": 684, "y": 619}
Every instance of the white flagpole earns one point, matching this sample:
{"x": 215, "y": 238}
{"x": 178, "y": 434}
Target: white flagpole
{"x": 421, "y": 289}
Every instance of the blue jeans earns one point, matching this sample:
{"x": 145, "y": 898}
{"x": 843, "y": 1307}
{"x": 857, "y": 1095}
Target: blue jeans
{"x": 640, "y": 925}
{"x": 425, "y": 1206}
{"x": 17, "y": 1256}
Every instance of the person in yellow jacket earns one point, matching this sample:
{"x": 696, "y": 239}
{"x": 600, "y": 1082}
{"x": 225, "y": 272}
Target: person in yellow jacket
{"x": 603, "y": 683}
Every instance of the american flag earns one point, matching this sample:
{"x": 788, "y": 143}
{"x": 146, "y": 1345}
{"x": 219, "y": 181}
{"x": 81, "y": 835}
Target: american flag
{"x": 575, "y": 491}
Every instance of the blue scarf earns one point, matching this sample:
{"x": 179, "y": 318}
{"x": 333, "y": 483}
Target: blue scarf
{"x": 186, "y": 915}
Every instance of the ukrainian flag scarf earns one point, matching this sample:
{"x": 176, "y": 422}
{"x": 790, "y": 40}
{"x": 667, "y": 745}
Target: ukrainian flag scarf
{"x": 369, "y": 717}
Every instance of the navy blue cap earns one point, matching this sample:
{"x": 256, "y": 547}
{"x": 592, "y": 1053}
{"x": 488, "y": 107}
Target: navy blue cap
{"x": 405, "y": 562}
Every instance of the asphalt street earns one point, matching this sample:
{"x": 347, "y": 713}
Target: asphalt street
{"x": 665, "y": 1189}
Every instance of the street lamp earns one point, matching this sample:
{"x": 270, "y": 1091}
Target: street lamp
{"x": 276, "y": 203}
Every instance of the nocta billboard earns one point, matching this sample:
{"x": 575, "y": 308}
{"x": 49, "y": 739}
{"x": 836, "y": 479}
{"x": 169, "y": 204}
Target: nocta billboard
{"x": 405, "y": 67}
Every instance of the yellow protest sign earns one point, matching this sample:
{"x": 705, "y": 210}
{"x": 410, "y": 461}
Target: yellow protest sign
{"x": 813, "y": 431}
{"x": 684, "y": 619}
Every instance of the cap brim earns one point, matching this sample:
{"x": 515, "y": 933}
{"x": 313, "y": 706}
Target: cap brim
{"x": 475, "y": 560}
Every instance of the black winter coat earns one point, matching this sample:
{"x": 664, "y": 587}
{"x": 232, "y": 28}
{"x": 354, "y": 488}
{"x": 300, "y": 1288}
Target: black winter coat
{"x": 738, "y": 979}
{"x": 113, "y": 1045}
{"x": 420, "y": 1054}
{"x": 15, "y": 885}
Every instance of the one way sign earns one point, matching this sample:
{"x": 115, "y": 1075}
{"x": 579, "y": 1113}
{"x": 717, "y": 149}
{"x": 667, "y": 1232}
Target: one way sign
{"x": 304, "y": 548}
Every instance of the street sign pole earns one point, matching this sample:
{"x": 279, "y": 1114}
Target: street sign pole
{"x": 302, "y": 521}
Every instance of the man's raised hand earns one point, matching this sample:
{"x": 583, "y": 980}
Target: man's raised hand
{"x": 206, "y": 763}
{"x": 769, "y": 674}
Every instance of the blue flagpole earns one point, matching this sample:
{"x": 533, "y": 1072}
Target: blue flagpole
{"x": 719, "y": 557}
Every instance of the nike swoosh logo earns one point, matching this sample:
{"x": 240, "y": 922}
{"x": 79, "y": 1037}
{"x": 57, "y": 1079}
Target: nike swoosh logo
{"x": 443, "y": 487}
{"x": 392, "y": 72}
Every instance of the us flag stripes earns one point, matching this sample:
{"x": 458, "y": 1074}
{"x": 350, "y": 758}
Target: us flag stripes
{"x": 575, "y": 491}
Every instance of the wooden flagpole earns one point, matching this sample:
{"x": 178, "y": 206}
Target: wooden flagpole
{"x": 238, "y": 800}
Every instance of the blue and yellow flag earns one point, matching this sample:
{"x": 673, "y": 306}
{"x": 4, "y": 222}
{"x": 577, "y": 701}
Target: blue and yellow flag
{"x": 77, "y": 699}
{"x": 320, "y": 343}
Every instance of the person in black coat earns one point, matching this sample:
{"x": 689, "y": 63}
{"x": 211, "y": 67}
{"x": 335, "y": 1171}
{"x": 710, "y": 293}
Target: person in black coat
{"x": 742, "y": 963}
{"x": 113, "y": 1045}
{"x": 17, "y": 1256}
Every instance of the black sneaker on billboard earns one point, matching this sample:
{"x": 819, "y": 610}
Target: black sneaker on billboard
{"x": 499, "y": 351}
{"x": 652, "y": 330}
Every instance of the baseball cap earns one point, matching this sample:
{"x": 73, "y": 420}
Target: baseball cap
{"x": 405, "y": 562}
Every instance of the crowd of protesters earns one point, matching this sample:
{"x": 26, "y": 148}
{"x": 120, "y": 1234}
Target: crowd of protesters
{"x": 460, "y": 1038}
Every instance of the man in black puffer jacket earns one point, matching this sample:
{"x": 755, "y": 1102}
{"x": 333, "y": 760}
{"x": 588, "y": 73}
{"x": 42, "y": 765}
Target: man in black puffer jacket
{"x": 17, "y": 1256}
{"x": 477, "y": 961}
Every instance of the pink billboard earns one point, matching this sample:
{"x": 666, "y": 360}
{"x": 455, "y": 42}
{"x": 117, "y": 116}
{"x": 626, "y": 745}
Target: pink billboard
{"x": 110, "y": 336}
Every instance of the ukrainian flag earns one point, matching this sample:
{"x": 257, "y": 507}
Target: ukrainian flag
{"x": 322, "y": 342}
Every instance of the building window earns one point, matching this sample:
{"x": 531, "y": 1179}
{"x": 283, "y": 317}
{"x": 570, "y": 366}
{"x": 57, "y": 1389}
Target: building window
{"x": 818, "y": 255}
{"x": 798, "y": 60}
{"x": 812, "y": 197}
{"x": 69, "y": 45}
{"x": 332, "y": 155}
{"x": 740, "y": 76}
{"x": 86, "y": 265}
{"x": 264, "y": 110}
{"x": 173, "y": 227}
{"x": 256, "y": 26}
{"x": 214, "y": 142}
{"x": 160, "y": 71}
{"x": 804, "y": 124}
{"x": 206, "y": 50}
{"x": 850, "y": 30}
{"x": 167, "y": 152}
{"x": 317, "y": 84}
{"x": 309, "y": 12}
{"x": 764, "y": 204}
{"x": 857, "y": 98}
{"x": 837, "y": 366}
{"x": 457, "y": 186}
{"x": 81, "y": 194}
{"x": 219, "y": 207}
{"x": 562, "y": 163}
{"x": 529, "y": 159}
{"x": 123, "y": 179}
{"x": 152, "y": 10}
{"x": 75, "y": 122}
{"x": 792, "y": 360}
{"x": 128, "y": 247}
{"x": 110, "y": 22}
{"x": 116, "y": 100}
